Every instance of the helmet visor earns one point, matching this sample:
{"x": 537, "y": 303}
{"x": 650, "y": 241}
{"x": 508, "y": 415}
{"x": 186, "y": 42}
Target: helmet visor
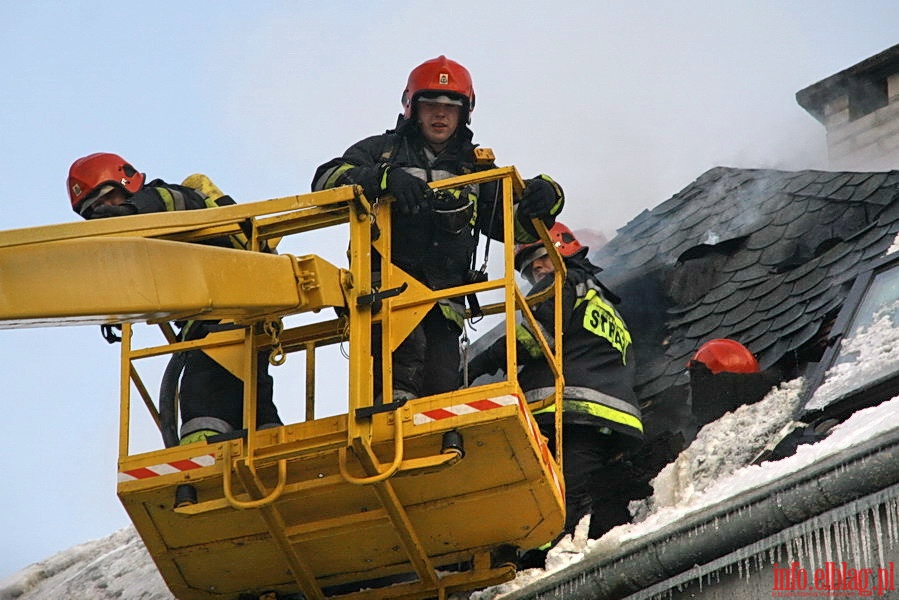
{"x": 526, "y": 260}
{"x": 87, "y": 206}
{"x": 439, "y": 98}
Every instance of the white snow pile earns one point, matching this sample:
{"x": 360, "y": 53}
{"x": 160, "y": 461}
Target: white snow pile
{"x": 116, "y": 567}
{"x": 732, "y": 479}
{"x": 731, "y": 442}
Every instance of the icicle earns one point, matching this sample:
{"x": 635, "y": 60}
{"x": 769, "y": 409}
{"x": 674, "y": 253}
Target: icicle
{"x": 888, "y": 515}
{"x": 865, "y": 537}
{"x": 797, "y": 548}
{"x": 855, "y": 539}
{"x": 878, "y": 534}
{"x": 808, "y": 543}
{"x": 826, "y": 532}
{"x": 893, "y": 521}
{"x": 816, "y": 548}
{"x": 839, "y": 542}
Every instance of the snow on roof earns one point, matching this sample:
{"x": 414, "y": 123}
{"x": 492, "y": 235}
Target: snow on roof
{"x": 715, "y": 468}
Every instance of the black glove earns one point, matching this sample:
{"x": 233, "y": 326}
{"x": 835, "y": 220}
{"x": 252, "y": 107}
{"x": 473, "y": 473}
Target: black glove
{"x": 538, "y": 199}
{"x": 482, "y": 364}
{"x": 410, "y": 193}
{"x": 109, "y": 210}
{"x": 367, "y": 177}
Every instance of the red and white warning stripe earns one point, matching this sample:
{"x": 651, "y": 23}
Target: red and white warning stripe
{"x": 437, "y": 414}
{"x": 544, "y": 448}
{"x": 176, "y": 466}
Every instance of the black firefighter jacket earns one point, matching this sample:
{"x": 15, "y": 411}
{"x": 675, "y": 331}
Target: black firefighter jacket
{"x": 421, "y": 245}
{"x": 597, "y": 358}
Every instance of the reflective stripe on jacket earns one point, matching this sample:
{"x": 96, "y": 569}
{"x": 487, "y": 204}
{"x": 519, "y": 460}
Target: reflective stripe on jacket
{"x": 597, "y": 359}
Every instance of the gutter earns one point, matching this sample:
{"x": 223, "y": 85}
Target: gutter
{"x": 719, "y": 530}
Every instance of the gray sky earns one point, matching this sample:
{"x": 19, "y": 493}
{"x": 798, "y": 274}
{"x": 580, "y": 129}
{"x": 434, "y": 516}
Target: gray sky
{"x": 623, "y": 103}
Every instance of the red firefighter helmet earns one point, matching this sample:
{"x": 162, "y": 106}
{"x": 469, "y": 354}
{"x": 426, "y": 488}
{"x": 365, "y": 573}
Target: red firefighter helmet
{"x": 563, "y": 239}
{"x": 725, "y": 355}
{"x": 440, "y": 76}
{"x": 90, "y": 173}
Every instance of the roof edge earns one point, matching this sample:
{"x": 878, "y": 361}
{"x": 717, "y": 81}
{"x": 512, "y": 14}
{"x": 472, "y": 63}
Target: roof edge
{"x": 737, "y": 522}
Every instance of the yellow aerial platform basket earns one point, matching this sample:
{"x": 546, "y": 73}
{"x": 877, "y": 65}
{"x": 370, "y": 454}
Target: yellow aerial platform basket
{"x": 305, "y": 518}
{"x": 412, "y": 499}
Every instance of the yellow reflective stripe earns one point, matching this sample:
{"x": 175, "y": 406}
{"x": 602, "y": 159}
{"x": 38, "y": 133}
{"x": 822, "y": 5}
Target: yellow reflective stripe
{"x": 521, "y": 234}
{"x": 205, "y": 186}
{"x": 601, "y": 319}
{"x": 451, "y": 314}
{"x": 331, "y": 181}
{"x": 239, "y": 241}
{"x": 560, "y": 197}
{"x": 187, "y": 327}
{"x": 527, "y": 340}
{"x": 472, "y": 198}
{"x": 211, "y": 194}
{"x": 167, "y": 198}
{"x": 597, "y": 410}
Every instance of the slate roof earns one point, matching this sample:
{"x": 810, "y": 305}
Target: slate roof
{"x": 765, "y": 257}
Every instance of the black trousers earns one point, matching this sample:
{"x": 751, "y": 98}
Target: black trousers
{"x": 209, "y": 390}
{"x": 596, "y": 482}
{"x": 426, "y": 362}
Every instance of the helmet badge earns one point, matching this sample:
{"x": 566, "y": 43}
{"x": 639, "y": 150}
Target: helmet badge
{"x": 443, "y": 79}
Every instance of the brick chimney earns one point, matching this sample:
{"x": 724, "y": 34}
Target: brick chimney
{"x": 859, "y": 108}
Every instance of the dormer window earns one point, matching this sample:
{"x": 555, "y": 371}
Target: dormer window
{"x": 861, "y": 366}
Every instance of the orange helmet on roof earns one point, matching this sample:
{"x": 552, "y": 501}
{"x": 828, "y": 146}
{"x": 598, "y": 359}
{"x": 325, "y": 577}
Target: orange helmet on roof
{"x": 90, "y": 173}
{"x": 439, "y": 76}
{"x": 728, "y": 356}
{"x": 563, "y": 239}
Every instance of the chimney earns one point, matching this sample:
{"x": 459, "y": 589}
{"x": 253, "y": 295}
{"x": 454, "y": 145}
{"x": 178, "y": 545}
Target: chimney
{"x": 859, "y": 108}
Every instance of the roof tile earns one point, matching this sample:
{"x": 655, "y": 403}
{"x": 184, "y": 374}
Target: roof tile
{"x": 787, "y": 218}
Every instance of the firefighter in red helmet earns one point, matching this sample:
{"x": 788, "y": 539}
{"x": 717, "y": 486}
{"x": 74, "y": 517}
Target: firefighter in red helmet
{"x": 102, "y": 180}
{"x": 103, "y": 185}
{"x": 434, "y": 235}
{"x": 725, "y": 375}
{"x": 725, "y": 355}
{"x": 602, "y": 422}
{"x": 532, "y": 260}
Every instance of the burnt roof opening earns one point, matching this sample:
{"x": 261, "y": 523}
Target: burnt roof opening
{"x": 696, "y": 270}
